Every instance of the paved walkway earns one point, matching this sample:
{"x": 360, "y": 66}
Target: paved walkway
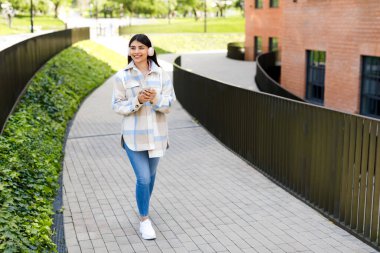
{"x": 206, "y": 198}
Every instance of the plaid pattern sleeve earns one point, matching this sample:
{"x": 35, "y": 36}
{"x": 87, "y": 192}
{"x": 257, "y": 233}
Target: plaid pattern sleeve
{"x": 164, "y": 100}
{"x": 121, "y": 102}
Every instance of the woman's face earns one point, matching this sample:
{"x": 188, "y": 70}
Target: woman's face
{"x": 138, "y": 51}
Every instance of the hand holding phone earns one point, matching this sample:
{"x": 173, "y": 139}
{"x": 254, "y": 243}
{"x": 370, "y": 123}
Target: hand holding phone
{"x": 147, "y": 94}
{"x": 150, "y": 93}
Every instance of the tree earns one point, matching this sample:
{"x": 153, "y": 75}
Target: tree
{"x": 20, "y": 5}
{"x": 239, "y": 4}
{"x": 191, "y": 6}
{"x": 95, "y": 7}
{"x": 165, "y": 8}
{"x": 109, "y": 7}
{"x": 222, "y": 5}
{"x": 147, "y": 7}
{"x": 172, "y": 5}
{"x": 129, "y": 6}
{"x": 57, "y": 4}
{"x": 42, "y": 6}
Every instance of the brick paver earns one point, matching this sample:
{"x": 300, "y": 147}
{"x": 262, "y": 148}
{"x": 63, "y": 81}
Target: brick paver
{"x": 206, "y": 199}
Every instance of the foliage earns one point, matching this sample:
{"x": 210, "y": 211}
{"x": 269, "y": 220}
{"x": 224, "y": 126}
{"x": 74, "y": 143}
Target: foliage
{"x": 164, "y": 8}
{"x": 57, "y": 4}
{"x": 31, "y": 148}
{"x": 190, "y": 6}
{"x": 239, "y": 4}
{"x": 189, "y": 25}
{"x": 161, "y": 8}
{"x": 134, "y": 7}
{"x": 95, "y": 7}
{"x": 20, "y": 5}
{"x": 42, "y": 6}
{"x": 222, "y": 5}
{"x": 39, "y": 6}
{"x": 111, "y": 8}
{"x": 21, "y": 24}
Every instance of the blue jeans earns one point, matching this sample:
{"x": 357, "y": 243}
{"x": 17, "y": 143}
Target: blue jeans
{"x": 145, "y": 171}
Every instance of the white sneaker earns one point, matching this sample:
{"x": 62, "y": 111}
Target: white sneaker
{"x": 146, "y": 230}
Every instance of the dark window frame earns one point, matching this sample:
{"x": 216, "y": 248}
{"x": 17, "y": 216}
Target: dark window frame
{"x": 259, "y": 4}
{"x": 315, "y": 76}
{"x": 370, "y": 86}
{"x": 274, "y": 3}
{"x": 257, "y": 52}
{"x": 270, "y": 43}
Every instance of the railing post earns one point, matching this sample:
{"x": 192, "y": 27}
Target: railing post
{"x": 328, "y": 159}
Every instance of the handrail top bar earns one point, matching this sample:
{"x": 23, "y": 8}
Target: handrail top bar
{"x": 43, "y": 47}
{"x": 208, "y": 78}
{"x": 269, "y": 77}
{"x": 275, "y": 96}
{"x": 40, "y": 35}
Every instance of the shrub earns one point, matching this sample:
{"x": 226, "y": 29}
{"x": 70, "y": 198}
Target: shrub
{"x": 31, "y": 148}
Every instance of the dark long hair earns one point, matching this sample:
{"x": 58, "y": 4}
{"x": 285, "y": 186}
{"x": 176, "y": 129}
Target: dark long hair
{"x": 142, "y": 38}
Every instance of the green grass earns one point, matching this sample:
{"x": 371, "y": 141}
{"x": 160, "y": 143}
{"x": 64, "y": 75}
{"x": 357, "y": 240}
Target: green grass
{"x": 189, "y": 25}
{"x": 186, "y": 34}
{"x": 21, "y": 24}
{"x": 179, "y": 43}
{"x": 115, "y": 60}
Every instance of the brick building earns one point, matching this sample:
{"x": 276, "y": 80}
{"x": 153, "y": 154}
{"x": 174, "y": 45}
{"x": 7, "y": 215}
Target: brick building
{"x": 330, "y": 50}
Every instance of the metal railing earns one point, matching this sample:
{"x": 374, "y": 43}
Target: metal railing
{"x": 326, "y": 158}
{"x": 235, "y": 50}
{"x": 19, "y": 62}
{"x": 268, "y": 74}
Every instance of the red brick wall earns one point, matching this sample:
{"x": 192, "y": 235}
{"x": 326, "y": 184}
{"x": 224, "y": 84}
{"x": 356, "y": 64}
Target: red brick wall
{"x": 265, "y": 22}
{"x": 345, "y": 29}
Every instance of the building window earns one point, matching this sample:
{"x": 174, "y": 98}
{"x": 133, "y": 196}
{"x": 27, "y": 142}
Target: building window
{"x": 258, "y": 4}
{"x": 273, "y": 3}
{"x": 258, "y": 46}
{"x": 273, "y": 44}
{"x": 370, "y": 86}
{"x": 315, "y": 77}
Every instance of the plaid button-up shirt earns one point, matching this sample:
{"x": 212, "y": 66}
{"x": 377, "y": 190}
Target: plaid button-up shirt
{"x": 144, "y": 126}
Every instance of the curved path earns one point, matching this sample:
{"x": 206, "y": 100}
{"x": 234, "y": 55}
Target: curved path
{"x": 206, "y": 198}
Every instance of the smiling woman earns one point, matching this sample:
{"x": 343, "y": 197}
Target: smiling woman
{"x": 143, "y": 93}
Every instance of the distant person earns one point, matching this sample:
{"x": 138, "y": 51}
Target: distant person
{"x": 143, "y": 93}
{"x": 8, "y": 11}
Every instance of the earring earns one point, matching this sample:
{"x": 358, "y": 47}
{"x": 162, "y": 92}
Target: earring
{"x": 150, "y": 51}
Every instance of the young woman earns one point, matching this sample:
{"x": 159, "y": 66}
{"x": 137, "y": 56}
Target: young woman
{"x": 143, "y": 93}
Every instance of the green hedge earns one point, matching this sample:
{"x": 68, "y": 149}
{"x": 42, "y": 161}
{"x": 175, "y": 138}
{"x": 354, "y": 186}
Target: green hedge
{"x": 31, "y": 148}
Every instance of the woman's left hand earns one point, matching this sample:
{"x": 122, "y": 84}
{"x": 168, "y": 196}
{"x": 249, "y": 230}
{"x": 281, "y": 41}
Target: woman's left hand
{"x": 151, "y": 93}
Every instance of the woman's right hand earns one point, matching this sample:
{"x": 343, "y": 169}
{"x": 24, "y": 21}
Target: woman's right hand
{"x": 143, "y": 97}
